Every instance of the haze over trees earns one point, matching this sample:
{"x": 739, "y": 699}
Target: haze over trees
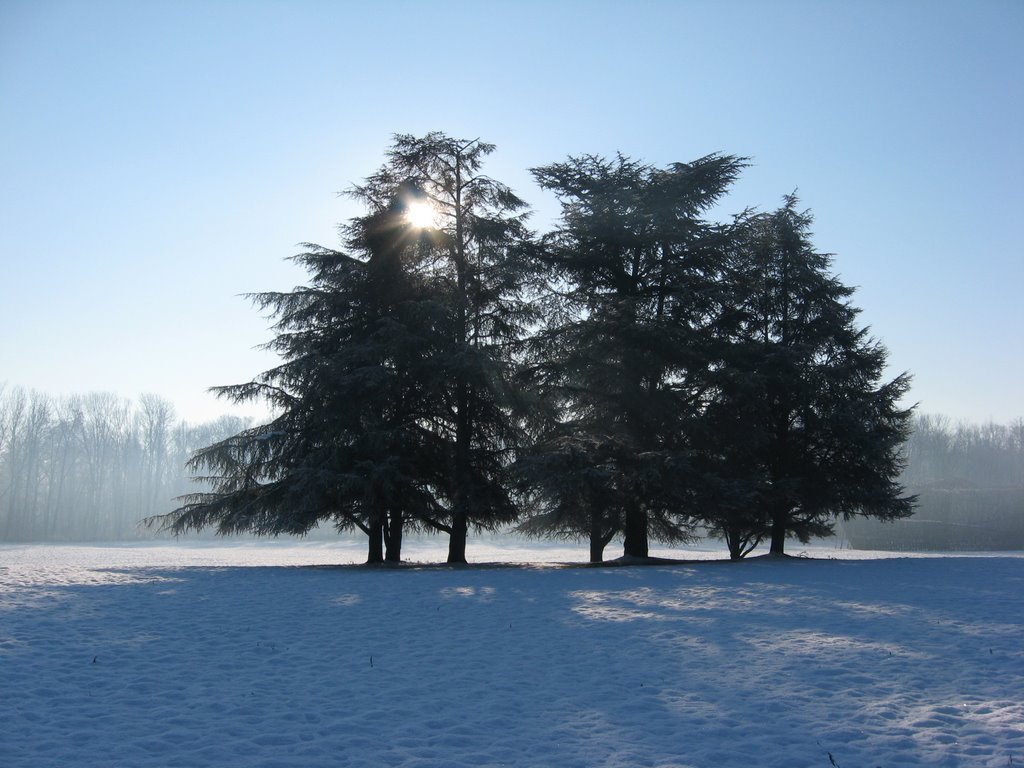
{"x": 966, "y": 476}
{"x": 91, "y": 466}
{"x": 943, "y": 454}
{"x": 969, "y": 479}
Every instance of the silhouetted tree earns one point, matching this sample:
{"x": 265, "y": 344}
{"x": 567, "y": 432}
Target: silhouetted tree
{"x": 357, "y": 438}
{"x": 635, "y": 268}
{"x": 802, "y": 430}
{"x": 394, "y": 399}
{"x": 473, "y": 254}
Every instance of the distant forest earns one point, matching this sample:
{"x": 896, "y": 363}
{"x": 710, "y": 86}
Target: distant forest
{"x": 969, "y": 480}
{"x": 90, "y": 467}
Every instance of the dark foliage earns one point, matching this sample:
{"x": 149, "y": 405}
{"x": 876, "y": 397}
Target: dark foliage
{"x": 357, "y": 439}
{"x": 801, "y": 430}
{"x": 393, "y": 401}
{"x": 636, "y": 297}
{"x": 640, "y": 371}
{"x": 475, "y": 257}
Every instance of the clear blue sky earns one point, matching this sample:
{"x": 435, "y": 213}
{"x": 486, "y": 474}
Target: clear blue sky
{"x": 159, "y": 158}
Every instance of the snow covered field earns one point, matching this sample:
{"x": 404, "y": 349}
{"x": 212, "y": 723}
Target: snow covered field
{"x": 263, "y": 655}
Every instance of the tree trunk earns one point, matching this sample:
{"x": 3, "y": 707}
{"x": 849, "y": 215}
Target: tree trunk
{"x": 375, "y": 554}
{"x": 778, "y": 536}
{"x": 460, "y": 505}
{"x": 393, "y": 541}
{"x": 598, "y": 538}
{"x": 596, "y": 545}
{"x": 635, "y": 530}
{"x": 463, "y": 423}
{"x": 457, "y": 540}
{"x": 734, "y": 541}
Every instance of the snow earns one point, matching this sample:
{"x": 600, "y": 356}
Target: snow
{"x": 267, "y": 655}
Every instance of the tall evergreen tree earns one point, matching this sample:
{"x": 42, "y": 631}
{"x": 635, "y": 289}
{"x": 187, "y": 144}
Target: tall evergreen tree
{"x": 801, "y": 430}
{"x": 394, "y": 400}
{"x": 635, "y": 268}
{"x": 478, "y": 231}
{"x": 355, "y": 439}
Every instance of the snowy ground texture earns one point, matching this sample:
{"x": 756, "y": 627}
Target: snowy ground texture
{"x": 264, "y": 656}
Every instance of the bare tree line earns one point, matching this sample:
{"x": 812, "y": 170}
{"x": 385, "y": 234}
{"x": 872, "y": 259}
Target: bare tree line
{"x": 91, "y": 466}
{"x": 961, "y": 456}
{"x": 969, "y": 482}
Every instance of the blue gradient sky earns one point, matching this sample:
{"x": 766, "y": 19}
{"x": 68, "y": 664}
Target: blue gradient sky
{"x": 157, "y": 159}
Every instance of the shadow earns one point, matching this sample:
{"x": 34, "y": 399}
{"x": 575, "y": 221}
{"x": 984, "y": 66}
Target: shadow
{"x": 767, "y": 662}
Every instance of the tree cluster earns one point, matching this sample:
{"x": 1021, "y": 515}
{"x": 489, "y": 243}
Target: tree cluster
{"x": 640, "y": 371}
{"x": 87, "y": 467}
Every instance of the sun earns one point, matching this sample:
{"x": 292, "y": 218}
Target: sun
{"x": 421, "y": 214}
